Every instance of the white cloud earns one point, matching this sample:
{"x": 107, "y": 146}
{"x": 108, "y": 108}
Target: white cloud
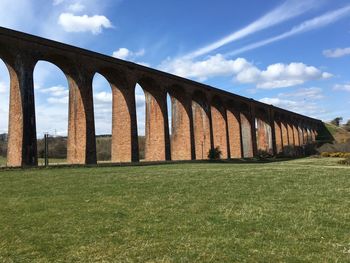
{"x": 343, "y": 87}
{"x": 336, "y": 53}
{"x": 4, "y": 88}
{"x": 286, "y": 11}
{"x": 55, "y": 100}
{"x": 56, "y": 91}
{"x": 103, "y": 97}
{"x": 312, "y": 93}
{"x": 84, "y": 23}
{"x": 317, "y": 22}
{"x": 126, "y": 54}
{"x": 275, "y": 76}
{"x": 76, "y": 7}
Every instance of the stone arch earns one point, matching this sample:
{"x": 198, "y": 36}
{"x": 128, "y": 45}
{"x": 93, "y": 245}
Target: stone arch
{"x": 234, "y": 130}
{"x": 219, "y": 126}
{"x": 181, "y": 130}
{"x": 201, "y": 125}
{"x": 157, "y": 140}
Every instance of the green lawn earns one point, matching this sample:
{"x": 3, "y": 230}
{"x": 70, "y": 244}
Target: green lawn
{"x": 292, "y": 211}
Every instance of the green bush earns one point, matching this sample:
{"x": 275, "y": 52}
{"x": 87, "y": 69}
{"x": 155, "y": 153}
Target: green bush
{"x": 335, "y": 154}
{"x": 214, "y": 154}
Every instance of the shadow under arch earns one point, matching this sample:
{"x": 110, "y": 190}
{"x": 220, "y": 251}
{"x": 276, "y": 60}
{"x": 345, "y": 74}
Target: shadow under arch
{"x": 201, "y": 125}
{"x": 51, "y": 107}
{"x": 102, "y": 98}
{"x": 219, "y": 125}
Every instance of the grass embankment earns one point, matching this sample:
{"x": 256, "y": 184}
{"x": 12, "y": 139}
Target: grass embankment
{"x": 284, "y": 211}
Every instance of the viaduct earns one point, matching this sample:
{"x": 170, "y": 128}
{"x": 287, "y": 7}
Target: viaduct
{"x": 203, "y": 117}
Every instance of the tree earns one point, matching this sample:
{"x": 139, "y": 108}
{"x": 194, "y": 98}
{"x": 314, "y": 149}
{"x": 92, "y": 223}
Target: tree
{"x": 337, "y": 121}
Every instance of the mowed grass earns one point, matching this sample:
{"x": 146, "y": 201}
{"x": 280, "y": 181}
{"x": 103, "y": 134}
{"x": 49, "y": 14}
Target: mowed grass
{"x": 291, "y": 211}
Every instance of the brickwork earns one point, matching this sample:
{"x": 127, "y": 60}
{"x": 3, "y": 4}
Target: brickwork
{"x": 181, "y": 132}
{"x": 81, "y": 143}
{"x": 201, "y": 131}
{"x": 246, "y": 136}
{"x": 124, "y": 127}
{"x": 219, "y": 131}
{"x": 155, "y": 129}
{"x": 278, "y": 132}
{"x": 290, "y": 135}
{"x": 234, "y": 134}
{"x": 296, "y": 135}
{"x": 285, "y": 137}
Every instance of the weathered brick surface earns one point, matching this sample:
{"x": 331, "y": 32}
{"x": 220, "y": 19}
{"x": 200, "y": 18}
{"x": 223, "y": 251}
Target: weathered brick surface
{"x": 124, "y": 126}
{"x": 290, "y": 135}
{"x": 234, "y": 133}
{"x": 180, "y": 135}
{"x": 155, "y": 129}
{"x": 306, "y": 139}
{"x": 246, "y": 136}
{"x": 264, "y": 136}
{"x": 296, "y": 135}
{"x": 201, "y": 126}
{"x": 285, "y": 137}
{"x": 219, "y": 131}
{"x": 278, "y": 132}
{"x": 81, "y": 143}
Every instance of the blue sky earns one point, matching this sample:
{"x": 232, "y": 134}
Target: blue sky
{"x": 293, "y": 54}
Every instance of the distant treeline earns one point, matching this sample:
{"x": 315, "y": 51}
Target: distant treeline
{"x": 58, "y": 147}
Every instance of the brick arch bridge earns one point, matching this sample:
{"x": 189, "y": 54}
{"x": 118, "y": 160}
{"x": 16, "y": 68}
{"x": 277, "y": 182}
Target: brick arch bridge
{"x": 203, "y": 117}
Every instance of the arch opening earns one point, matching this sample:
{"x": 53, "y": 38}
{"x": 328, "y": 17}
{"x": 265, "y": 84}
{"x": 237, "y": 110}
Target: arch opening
{"x": 51, "y": 107}
{"x": 4, "y": 110}
{"x": 102, "y": 99}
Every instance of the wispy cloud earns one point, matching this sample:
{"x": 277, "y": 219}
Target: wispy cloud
{"x": 284, "y": 12}
{"x": 343, "y": 87}
{"x": 336, "y": 53}
{"x": 308, "y": 25}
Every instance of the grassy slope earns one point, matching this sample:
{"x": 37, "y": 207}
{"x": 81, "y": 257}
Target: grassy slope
{"x": 340, "y": 134}
{"x": 288, "y": 211}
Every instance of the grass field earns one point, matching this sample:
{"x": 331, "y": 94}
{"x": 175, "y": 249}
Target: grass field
{"x": 291, "y": 211}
